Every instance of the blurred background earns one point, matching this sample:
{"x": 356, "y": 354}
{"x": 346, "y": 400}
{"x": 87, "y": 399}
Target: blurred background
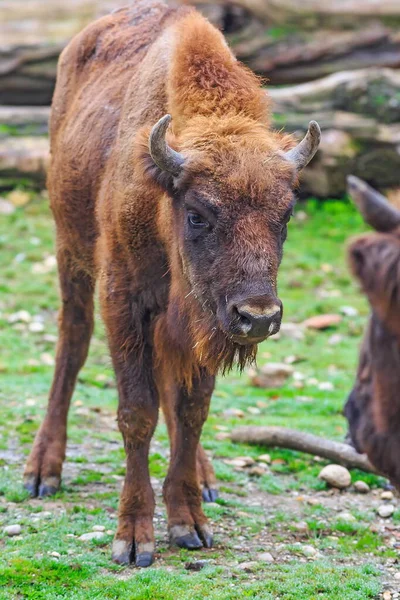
{"x": 336, "y": 62}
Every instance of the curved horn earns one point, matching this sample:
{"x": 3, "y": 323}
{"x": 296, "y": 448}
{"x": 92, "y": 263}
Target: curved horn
{"x": 301, "y": 154}
{"x": 165, "y": 157}
{"x": 374, "y": 207}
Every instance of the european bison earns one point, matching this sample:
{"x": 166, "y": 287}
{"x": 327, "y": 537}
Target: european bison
{"x": 373, "y": 407}
{"x": 182, "y": 223}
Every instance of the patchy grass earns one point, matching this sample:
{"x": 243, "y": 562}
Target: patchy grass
{"x": 285, "y": 512}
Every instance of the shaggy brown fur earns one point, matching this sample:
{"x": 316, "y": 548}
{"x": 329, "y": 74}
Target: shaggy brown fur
{"x": 373, "y": 407}
{"x": 168, "y": 289}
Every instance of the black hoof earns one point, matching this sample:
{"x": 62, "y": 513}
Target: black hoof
{"x": 185, "y": 536}
{"x": 31, "y": 485}
{"x": 49, "y": 486}
{"x": 122, "y": 552}
{"x": 125, "y": 553}
{"x": 144, "y": 559}
{"x": 209, "y": 494}
{"x": 47, "y": 490}
{"x": 205, "y": 534}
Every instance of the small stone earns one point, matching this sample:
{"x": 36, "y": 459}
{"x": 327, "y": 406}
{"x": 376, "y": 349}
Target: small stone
{"x": 292, "y": 331}
{"x": 326, "y": 386}
{"x": 12, "y": 530}
{"x": 346, "y": 516}
{"x": 240, "y": 461}
{"x": 272, "y": 375}
{"x": 248, "y": 567}
{"x": 98, "y": 528}
{"x": 32, "y": 362}
{"x": 385, "y": 510}
{"x": 264, "y": 458}
{"x": 336, "y": 476}
{"x": 361, "y": 487}
{"x": 397, "y": 576}
{"x": 301, "y": 216}
{"x": 349, "y": 311}
{"x": 6, "y": 208}
{"x": 387, "y": 595}
{"x": 47, "y": 359}
{"x": 266, "y": 557}
{"x": 301, "y": 526}
{"x": 36, "y": 327}
{"x": 222, "y": 435}
{"x": 49, "y": 337}
{"x": 247, "y": 460}
{"x": 335, "y": 339}
{"x": 22, "y": 316}
{"x": 253, "y": 410}
{"x": 313, "y": 501}
{"x": 320, "y": 322}
{"x": 387, "y": 495}
{"x": 292, "y": 359}
{"x": 235, "y": 413}
{"x": 55, "y": 554}
{"x": 49, "y": 264}
{"x": 257, "y": 471}
{"x": 197, "y": 565}
{"x": 92, "y": 535}
{"x": 309, "y": 551}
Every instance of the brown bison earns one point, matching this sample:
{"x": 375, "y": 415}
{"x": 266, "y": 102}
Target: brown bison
{"x": 373, "y": 407}
{"x": 181, "y": 217}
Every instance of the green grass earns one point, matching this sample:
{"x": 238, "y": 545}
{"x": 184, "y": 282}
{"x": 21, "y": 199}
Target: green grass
{"x": 253, "y": 515}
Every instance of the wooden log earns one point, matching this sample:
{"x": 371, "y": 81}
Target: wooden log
{"x": 292, "y": 439}
{"x": 304, "y": 11}
{"x": 23, "y": 158}
{"x": 33, "y": 34}
{"x": 359, "y": 112}
{"x": 24, "y": 120}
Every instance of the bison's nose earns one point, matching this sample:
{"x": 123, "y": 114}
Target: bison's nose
{"x": 256, "y": 322}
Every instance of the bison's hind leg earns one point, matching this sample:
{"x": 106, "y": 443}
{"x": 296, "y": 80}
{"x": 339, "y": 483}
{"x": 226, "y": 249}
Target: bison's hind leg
{"x": 206, "y": 476}
{"x": 42, "y": 476}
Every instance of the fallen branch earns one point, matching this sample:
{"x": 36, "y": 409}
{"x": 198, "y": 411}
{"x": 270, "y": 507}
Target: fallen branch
{"x": 292, "y": 439}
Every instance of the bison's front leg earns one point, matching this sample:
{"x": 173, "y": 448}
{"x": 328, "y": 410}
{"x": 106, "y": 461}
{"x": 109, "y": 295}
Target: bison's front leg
{"x": 137, "y": 419}
{"x": 188, "y": 527}
{"x": 169, "y": 394}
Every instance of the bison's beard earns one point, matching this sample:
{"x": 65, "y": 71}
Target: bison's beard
{"x": 188, "y": 339}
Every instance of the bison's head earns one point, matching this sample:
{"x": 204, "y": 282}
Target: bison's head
{"x": 375, "y": 257}
{"x": 373, "y": 408}
{"x": 231, "y": 190}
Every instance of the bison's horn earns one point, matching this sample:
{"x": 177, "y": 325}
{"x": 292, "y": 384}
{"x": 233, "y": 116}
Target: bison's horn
{"x": 305, "y": 150}
{"x": 374, "y": 207}
{"x": 165, "y": 157}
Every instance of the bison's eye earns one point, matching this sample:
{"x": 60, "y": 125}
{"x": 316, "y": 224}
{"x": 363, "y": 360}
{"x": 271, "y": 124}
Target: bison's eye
{"x": 196, "y": 221}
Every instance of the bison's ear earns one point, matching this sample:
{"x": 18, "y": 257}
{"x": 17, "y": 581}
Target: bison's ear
{"x": 374, "y": 207}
